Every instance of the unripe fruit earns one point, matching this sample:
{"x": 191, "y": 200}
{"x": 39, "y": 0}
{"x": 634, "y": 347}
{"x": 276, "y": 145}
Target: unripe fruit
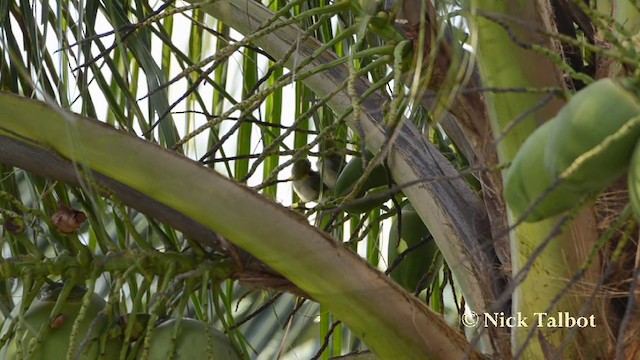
{"x": 195, "y": 340}
{"x": 594, "y": 113}
{"x": 634, "y": 182}
{"x": 376, "y": 183}
{"x": 56, "y": 342}
{"x": 588, "y": 144}
{"x": 418, "y": 261}
{"x": 527, "y": 180}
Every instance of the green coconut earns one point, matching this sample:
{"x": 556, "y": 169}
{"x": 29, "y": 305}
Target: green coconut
{"x": 194, "y": 340}
{"x": 375, "y": 187}
{"x": 57, "y": 330}
{"x": 416, "y": 263}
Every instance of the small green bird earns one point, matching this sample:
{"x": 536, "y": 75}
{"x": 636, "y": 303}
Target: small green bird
{"x": 306, "y": 183}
